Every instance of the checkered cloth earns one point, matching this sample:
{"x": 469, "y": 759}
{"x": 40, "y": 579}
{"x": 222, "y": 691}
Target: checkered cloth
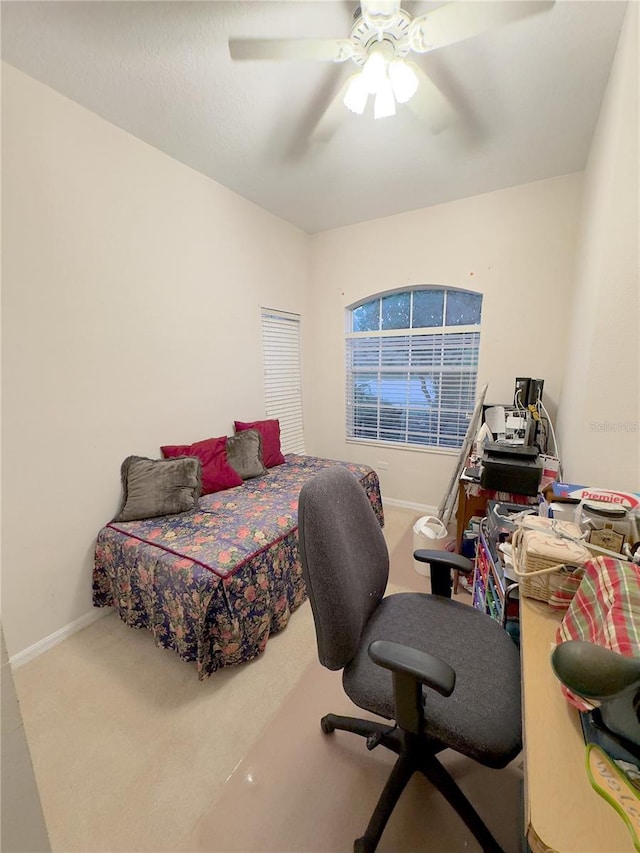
{"x": 604, "y": 610}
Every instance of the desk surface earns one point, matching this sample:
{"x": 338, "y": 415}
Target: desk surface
{"x": 562, "y": 811}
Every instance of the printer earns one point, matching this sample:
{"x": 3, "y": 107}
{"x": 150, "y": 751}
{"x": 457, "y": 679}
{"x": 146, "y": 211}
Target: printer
{"x": 511, "y": 468}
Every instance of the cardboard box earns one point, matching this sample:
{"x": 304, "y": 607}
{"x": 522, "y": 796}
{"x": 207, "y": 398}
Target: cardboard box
{"x": 571, "y": 491}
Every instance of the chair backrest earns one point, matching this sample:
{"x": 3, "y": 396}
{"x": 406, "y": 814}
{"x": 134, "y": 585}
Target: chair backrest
{"x": 344, "y": 558}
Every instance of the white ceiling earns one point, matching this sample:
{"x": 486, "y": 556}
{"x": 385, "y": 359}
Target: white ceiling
{"x": 527, "y": 97}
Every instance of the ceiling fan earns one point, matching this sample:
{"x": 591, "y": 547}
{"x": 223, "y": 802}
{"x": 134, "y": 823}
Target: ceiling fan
{"x": 381, "y": 39}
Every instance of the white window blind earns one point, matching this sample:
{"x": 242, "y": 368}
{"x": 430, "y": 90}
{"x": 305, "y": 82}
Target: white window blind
{"x": 413, "y": 386}
{"x": 283, "y": 376}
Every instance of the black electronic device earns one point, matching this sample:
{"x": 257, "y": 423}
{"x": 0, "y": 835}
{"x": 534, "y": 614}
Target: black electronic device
{"x": 530, "y": 430}
{"x": 516, "y": 451}
{"x": 508, "y": 468}
{"x": 521, "y": 392}
{"x": 535, "y": 391}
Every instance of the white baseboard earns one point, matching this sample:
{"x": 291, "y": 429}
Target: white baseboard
{"x": 425, "y": 509}
{"x": 58, "y": 636}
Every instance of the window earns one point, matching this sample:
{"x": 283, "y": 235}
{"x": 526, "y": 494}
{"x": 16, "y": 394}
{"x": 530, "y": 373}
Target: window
{"x": 282, "y": 376}
{"x": 412, "y": 361}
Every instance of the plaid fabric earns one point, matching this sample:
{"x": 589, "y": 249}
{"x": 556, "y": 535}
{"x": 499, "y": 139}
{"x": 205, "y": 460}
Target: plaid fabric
{"x": 563, "y": 596}
{"x": 605, "y": 610}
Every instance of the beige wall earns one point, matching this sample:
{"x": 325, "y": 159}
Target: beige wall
{"x": 599, "y": 416}
{"x": 131, "y": 294}
{"x": 515, "y": 246}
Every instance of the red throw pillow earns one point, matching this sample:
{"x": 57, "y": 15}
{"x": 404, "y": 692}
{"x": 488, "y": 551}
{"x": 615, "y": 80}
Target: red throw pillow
{"x": 270, "y": 432}
{"x": 217, "y": 474}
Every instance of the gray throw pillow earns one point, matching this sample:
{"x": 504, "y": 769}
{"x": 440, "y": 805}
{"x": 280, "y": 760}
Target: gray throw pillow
{"x": 244, "y": 453}
{"x": 154, "y": 487}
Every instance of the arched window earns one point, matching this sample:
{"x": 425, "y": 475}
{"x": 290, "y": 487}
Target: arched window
{"x": 412, "y": 362}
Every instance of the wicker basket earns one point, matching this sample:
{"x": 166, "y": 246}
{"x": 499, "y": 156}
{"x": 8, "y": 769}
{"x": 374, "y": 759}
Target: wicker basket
{"x": 542, "y": 560}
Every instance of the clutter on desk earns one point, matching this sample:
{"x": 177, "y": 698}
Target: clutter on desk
{"x": 571, "y": 491}
{"x": 611, "y": 519}
{"x": 483, "y": 437}
{"x": 511, "y": 468}
{"x": 605, "y": 610}
{"x": 471, "y": 474}
{"x": 609, "y": 526}
{"x": 495, "y": 587}
{"x": 513, "y": 454}
{"x": 545, "y": 551}
{"x": 512, "y": 445}
{"x": 597, "y": 661}
{"x": 547, "y": 557}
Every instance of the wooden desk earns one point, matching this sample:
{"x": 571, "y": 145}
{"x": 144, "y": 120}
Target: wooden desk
{"x": 562, "y": 811}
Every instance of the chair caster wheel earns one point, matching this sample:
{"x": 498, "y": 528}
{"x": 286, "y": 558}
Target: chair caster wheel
{"x": 327, "y": 726}
{"x": 363, "y": 845}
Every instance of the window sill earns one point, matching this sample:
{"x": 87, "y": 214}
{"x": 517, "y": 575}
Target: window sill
{"x": 413, "y": 448}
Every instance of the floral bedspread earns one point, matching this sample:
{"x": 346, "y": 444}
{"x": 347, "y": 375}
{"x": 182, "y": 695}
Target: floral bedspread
{"x": 213, "y": 584}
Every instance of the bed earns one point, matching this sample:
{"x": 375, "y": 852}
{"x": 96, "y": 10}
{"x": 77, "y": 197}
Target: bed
{"x": 213, "y": 584}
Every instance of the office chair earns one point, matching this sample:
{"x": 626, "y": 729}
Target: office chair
{"x": 447, "y": 674}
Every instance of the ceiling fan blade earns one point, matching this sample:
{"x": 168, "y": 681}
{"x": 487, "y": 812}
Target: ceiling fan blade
{"x": 323, "y": 50}
{"x": 332, "y": 117}
{"x": 429, "y": 104}
{"x": 456, "y": 22}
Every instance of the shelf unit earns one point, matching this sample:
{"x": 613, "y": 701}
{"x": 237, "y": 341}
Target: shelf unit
{"x": 493, "y": 593}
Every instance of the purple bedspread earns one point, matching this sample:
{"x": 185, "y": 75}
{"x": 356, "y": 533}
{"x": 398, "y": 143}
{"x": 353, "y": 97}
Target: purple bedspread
{"x": 215, "y": 583}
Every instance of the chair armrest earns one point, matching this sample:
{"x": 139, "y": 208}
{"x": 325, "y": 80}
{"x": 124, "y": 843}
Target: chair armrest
{"x": 424, "y": 668}
{"x": 445, "y": 558}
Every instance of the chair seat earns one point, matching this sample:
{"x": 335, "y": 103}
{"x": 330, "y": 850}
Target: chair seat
{"x": 485, "y": 660}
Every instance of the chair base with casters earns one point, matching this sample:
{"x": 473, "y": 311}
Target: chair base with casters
{"x": 414, "y": 757}
{"x": 447, "y": 675}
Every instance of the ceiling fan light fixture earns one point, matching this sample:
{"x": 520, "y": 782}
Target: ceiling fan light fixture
{"x": 403, "y": 80}
{"x": 384, "y": 104}
{"x": 374, "y": 72}
{"x": 355, "y": 98}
